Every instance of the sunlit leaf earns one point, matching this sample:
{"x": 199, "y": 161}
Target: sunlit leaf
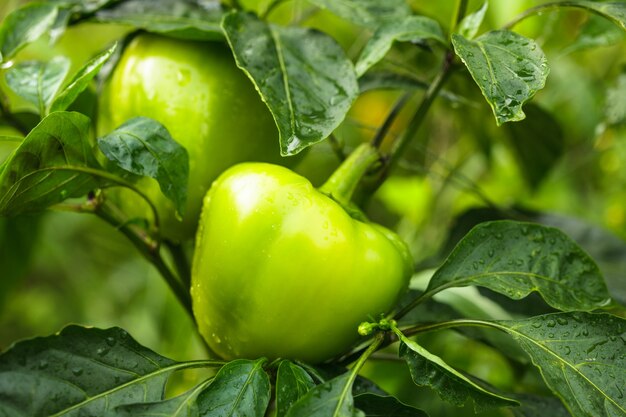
{"x": 471, "y": 23}
{"x": 79, "y": 371}
{"x": 516, "y": 258}
{"x": 508, "y": 68}
{"x": 582, "y": 358}
{"x": 452, "y": 386}
{"x": 81, "y": 80}
{"x": 25, "y": 25}
{"x": 143, "y": 146}
{"x": 303, "y": 76}
{"x": 411, "y": 29}
{"x": 38, "y": 82}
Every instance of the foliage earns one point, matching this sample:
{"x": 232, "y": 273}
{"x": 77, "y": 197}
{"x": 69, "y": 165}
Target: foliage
{"x": 512, "y": 209}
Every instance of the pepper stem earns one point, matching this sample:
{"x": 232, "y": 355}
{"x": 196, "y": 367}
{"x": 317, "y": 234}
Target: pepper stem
{"x": 343, "y": 182}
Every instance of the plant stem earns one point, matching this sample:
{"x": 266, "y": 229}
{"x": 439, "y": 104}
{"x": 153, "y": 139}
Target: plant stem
{"x": 148, "y": 247}
{"x": 181, "y": 262}
{"x": 373, "y": 347}
{"x": 391, "y": 117}
{"x": 342, "y": 183}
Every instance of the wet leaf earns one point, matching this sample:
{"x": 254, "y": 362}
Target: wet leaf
{"x": 143, "y": 146}
{"x": 303, "y": 76}
{"x": 452, "y": 386}
{"x": 79, "y": 371}
{"x": 240, "y": 388}
{"x": 185, "y": 19}
{"x": 517, "y": 258}
{"x": 80, "y": 81}
{"x": 366, "y": 12}
{"x": 292, "y": 383}
{"x": 582, "y": 358}
{"x": 410, "y": 29}
{"x": 40, "y": 172}
{"x": 508, "y": 68}
{"x": 38, "y": 82}
{"x": 331, "y": 398}
{"x": 25, "y": 25}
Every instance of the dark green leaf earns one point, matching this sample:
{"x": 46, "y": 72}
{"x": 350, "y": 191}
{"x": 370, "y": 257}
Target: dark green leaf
{"x": 292, "y": 383}
{"x": 25, "y": 25}
{"x": 185, "y": 19}
{"x": 38, "y": 82}
{"x": 516, "y": 258}
{"x": 303, "y": 75}
{"x": 508, "y": 68}
{"x": 183, "y": 405}
{"x": 333, "y": 398}
{"x": 81, "y": 80}
{"x": 538, "y": 142}
{"x": 240, "y": 388}
{"x": 143, "y": 146}
{"x": 83, "y": 7}
{"x": 471, "y": 23}
{"x": 538, "y": 406}
{"x": 33, "y": 178}
{"x": 582, "y": 358}
{"x": 411, "y": 29}
{"x": 79, "y": 372}
{"x": 452, "y": 386}
{"x": 615, "y": 107}
{"x": 385, "y": 406}
{"x": 18, "y": 236}
{"x": 366, "y": 12}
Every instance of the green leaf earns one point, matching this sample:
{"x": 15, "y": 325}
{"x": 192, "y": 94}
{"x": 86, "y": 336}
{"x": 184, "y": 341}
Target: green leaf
{"x": 430, "y": 370}
{"x": 292, "y": 383}
{"x": 35, "y": 177}
{"x": 81, "y": 80}
{"x": 366, "y": 12}
{"x": 183, "y": 405}
{"x": 582, "y": 358}
{"x": 303, "y": 76}
{"x": 240, "y": 388}
{"x": 79, "y": 371}
{"x": 471, "y": 23}
{"x": 25, "y": 25}
{"x": 143, "y": 146}
{"x": 410, "y": 29}
{"x": 331, "y": 398}
{"x": 538, "y": 143}
{"x": 186, "y": 19}
{"x": 615, "y": 107}
{"x": 385, "y": 406}
{"x": 516, "y": 258}
{"x": 508, "y": 68}
{"x": 38, "y": 82}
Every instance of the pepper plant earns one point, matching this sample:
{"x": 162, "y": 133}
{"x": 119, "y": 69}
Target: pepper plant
{"x": 340, "y": 300}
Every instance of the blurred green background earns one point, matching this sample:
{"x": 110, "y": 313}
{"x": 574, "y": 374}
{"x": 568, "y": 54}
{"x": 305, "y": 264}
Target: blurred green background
{"x": 61, "y": 268}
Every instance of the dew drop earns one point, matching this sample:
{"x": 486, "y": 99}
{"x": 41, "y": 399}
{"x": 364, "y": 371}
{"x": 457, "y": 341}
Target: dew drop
{"x": 77, "y": 371}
